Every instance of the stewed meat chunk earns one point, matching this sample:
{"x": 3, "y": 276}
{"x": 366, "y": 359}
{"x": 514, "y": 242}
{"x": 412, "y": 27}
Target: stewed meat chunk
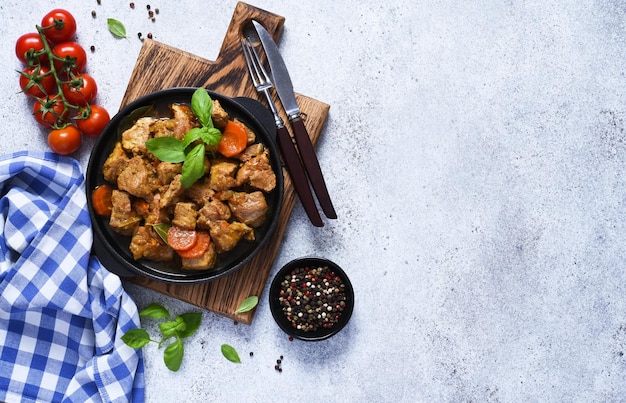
{"x": 138, "y": 178}
{"x": 115, "y": 163}
{"x": 200, "y": 192}
{"x": 204, "y": 262}
{"x": 185, "y": 215}
{"x": 166, "y": 171}
{"x": 257, "y": 171}
{"x": 219, "y": 116}
{"x": 134, "y": 139}
{"x": 146, "y": 243}
{"x": 184, "y": 120}
{"x": 227, "y": 235}
{"x": 249, "y": 208}
{"x": 222, "y": 175}
{"x": 212, "y": 211}
{"x": 173, "y": 193}
{"x": 123, "y": 219}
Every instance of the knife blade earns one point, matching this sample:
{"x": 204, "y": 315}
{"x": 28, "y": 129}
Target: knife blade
{"x": 284, "y": 88}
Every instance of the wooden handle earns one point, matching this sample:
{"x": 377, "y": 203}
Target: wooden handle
{"x": 312, "y": 165}
{"x": 298, "y": 175}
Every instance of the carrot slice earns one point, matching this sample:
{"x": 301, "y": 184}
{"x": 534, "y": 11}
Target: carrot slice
{"x": 199, "y": 249}
{"x": 101, "y": 200}
{"x": 234, "y": 139}
{"x": 181, "y": 239}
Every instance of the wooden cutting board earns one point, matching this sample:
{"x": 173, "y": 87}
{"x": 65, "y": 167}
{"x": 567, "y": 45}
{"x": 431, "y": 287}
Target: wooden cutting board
{"x": 161, "y": 66}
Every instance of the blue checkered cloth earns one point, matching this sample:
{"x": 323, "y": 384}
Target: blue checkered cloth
{"x": 62, "y": 314}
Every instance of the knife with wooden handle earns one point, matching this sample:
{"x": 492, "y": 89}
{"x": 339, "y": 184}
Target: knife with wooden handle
{"x": 284, "y": 88}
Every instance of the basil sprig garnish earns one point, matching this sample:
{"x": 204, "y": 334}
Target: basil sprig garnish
{"x": 192, "y": 148}
{"x": 181, "y": 327}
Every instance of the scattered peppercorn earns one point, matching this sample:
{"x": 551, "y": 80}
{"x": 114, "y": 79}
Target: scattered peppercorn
{"x": 150, "y": 13}
{"x": 149, "y": 35}
{"x": 93, "y": 48}
{"x": 139, "y": 35}
{"x": 132, "y": 5}
{"x": 156, "y": 10}
{"x": 99, "y": 2}
{"x": 251, "y": 354}
{"x": 93, "y": 13}
{"x": 148, "y": 6}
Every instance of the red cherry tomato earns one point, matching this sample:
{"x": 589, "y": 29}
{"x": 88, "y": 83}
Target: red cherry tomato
{"x": 58, "y": 25}
{"x": 81, "y": 90}
{"x": 65, "y": 140}
{"x": 49, "y": 112}
{"x": 27, "y": 45}
{"x": 73, "y": 55}
{"x": 95, "y": 122}
{"x": 37, "y": 82}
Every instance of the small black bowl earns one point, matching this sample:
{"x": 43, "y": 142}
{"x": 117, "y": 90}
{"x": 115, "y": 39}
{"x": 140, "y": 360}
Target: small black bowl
{"x": 112, "y": 248}
{"x": 320, "y": 314}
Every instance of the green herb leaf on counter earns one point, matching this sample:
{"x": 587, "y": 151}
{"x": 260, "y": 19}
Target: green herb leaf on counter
{"x": 173, "y": 355}
{"x": 230, "y": 353}
{"x": 181, "y": 327}
{"x": 172, "y": 327}
{"x": 116, "y": 28}
{"x": 192, "y": 323}
{"x": 155, "y": 311}
{"x": 136, "y": 338}
{"x": 248, "y": 304}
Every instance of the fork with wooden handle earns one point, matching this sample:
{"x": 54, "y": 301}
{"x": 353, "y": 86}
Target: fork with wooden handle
{"x": 262, "y": 83}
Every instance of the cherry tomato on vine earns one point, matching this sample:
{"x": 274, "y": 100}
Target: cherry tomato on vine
{"x": 65, "y": 140}
{"x": 49, "y": 112}
{"x": 73, "y": 55}
{"x": 27, "y": 45}
{"x": 95, "y": 122}
{"x": 58, "y": 25}
{"x": 37, "y": 82}
{"x": 80, "y": 90}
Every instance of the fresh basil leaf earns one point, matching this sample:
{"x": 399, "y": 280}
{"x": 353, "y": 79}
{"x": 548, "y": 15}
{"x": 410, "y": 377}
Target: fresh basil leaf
{"x": 211, "y": 136}
{"x": 167, "y": 149}
{"x": 173, "y": 355}
{"x": 230, "y": 353}
{"x": 193, "y": 167}
{"x": 155, "y": 311}
{"x": 248, "y": 304}
{"x": 136, "y": 338}
{"x": 173, "y": 327}
{"x": 162, "y": 228}
{"x": 202, "y": 106}
{"x": 192, "y": 322}
{"x": 192, "y": 135}
{"x": 116, "y": 28}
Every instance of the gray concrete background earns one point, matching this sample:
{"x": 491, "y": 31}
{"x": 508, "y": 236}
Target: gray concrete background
{"x": 475, "y": 152}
